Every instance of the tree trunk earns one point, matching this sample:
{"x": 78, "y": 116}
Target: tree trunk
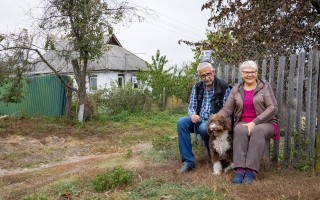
{"x": 80, "y": 76}
{"x": 67, "y": 110}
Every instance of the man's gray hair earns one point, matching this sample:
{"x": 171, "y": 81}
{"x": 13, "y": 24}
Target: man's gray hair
{"x": 248, "y": 64}
{"x": 204, "y": 65}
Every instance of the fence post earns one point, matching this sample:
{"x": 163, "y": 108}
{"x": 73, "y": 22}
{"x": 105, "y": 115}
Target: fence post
{"x": 290, "y": 107}
{"x": 280, "y": 83}
{"x": 233, "y": 73}
{"x": 271, "y": 72}
{"x": 300, "y": 84}
{"x": 318, "y": 122}
{"x": 264, "y": 69}
{"x": 164, "y": 98}
{"x": 226, "y": 73}
{"x": 218, "y": 71}
{"x": 313, "y": 99}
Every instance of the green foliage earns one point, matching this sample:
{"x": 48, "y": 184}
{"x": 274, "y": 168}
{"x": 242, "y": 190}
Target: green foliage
{"x": 156, "y": 77}
{"x": 181, "y": 82}
{"x": 95, "y": 100}
{"x": 259, "y": 24}
{"x": 125, "y": 99}
{"x": 75, "y": 32}
{"x": 222, "y": 44}
{"x": 162, "y": 189}
{"x": 174, "y": 81}
{"x": 113, "y": 179}
{"x": 166, "y": 146}
{"x": 85, "y": 26}
{"x": 162, "y": 142}
{"x": 67, "y": 188}
{"x": 129, "y": 153}
{"x": 122, "y": 116}
{"x": 301, "y": 157}
{"x": 12, "y": 69}
{"x": 12, "y": 88}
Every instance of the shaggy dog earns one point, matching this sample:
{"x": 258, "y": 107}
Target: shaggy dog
{"x": 220, "y": 143}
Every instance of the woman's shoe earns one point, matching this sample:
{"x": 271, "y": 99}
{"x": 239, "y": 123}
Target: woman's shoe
{"x": 249, "y": 177}
{"x": 237, "y": 179}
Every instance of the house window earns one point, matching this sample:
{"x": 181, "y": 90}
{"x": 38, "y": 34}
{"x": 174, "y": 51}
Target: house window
{"x": 134, "y": 81}
{"x": 93, "y": 83}
{"x": 120, "y": 80}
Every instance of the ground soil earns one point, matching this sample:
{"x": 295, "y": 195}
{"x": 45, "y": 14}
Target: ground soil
{"x": 34, "y": 154}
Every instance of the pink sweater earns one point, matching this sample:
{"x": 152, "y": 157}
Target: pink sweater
{"x": 249, "y": 113}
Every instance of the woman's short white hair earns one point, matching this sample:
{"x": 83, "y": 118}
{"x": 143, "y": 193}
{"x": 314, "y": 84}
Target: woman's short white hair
{"x": 248, "y": 64}
{"x": 204, "y": 65}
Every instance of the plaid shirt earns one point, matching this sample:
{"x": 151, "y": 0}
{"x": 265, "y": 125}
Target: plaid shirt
{"x": 206, "y": 109}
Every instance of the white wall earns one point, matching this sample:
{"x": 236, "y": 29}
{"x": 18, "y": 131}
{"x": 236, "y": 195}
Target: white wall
{"x": 104, "y": 79}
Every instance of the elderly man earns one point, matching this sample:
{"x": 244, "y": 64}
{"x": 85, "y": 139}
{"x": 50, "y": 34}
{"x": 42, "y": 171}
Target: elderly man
{"x": 208, "y": 97}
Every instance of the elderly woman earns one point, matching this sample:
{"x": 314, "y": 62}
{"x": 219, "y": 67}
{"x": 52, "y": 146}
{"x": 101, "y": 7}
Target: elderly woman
{"x": 254, "y": 109}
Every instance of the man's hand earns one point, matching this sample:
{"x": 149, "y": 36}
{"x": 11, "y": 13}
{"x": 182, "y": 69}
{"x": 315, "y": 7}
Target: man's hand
{"x": 195, "y": 118}
{"x": 250, "y": 126}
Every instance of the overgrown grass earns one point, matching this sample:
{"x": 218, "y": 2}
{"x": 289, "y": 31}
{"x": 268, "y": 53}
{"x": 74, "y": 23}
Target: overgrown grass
{"x": 34, "y": 197}
{"x": 113, "y": 179}
{"x": 144, "y": 174}
{"x": 162, "y": 189}
{"x": 165, "y": 147}
{"x": 125, "y": 129}
{"x": 72, "y": 188}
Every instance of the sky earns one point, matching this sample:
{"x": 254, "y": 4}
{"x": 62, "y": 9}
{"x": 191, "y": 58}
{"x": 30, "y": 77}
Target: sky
{"x": 172, "y": 20}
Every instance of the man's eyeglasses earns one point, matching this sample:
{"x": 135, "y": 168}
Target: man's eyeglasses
{"x": 203, "y": 76}
{"x": 249, "y": 72}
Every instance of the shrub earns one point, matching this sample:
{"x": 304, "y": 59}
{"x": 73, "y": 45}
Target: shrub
{"x": 118, "y": 177}
{"x": 67, "y": 188}
{"x": 126, "y": 98}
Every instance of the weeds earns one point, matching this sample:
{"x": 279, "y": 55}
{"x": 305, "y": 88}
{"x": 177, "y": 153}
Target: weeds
{"x": 154, "y": 177}
{"x": 299, "y": 152}
{"x": 69, "y": 188}
{"x": 161, "y": 189}
{"x": 118, "y": 177}
{"x": 119, "y": 99}
{"x": 129, "y": 154}
{"x": 166, "y": 147}
{"x": 32, "y": 197}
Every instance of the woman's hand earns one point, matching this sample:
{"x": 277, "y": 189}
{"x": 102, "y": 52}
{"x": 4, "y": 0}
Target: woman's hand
{"x": 250, "y": 126}
{"x": 195, "y": 118}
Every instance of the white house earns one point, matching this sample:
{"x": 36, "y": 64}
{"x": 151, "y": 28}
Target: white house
{"x": 117, "y": 64}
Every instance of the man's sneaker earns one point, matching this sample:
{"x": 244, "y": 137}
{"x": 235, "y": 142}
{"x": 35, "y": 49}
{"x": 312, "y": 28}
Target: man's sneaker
{"x": 186, "y": 168}
{"x": 249, "y": 177}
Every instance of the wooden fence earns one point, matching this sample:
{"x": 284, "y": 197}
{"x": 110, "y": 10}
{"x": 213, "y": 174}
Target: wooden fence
{"x": 296, "y": 84}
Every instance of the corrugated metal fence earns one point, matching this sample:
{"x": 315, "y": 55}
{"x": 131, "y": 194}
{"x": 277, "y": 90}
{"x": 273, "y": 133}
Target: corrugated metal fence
{"x": 44, "y": 96}
{"x": 296, "y": 84}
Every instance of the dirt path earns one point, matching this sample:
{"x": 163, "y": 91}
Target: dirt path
{"x": 18, "y": 180}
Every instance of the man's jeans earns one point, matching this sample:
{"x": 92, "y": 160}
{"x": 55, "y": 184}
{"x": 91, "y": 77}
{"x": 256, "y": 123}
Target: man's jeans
{"x": 185, "y": 127}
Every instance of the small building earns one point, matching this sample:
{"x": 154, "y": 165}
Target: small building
{"x": 117, "y": 65}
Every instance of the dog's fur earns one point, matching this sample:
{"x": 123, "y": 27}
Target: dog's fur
{"x": 220, "y": 143}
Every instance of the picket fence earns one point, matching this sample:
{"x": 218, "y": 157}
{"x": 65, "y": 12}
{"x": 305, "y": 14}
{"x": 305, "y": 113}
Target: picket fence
{"x": 296, "y": 84}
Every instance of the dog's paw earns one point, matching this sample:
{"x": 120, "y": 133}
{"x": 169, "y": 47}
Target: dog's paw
{"x": 216, "y": 172}
{"x": 217, "y": 168}
{"x": 228, "y": 168}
